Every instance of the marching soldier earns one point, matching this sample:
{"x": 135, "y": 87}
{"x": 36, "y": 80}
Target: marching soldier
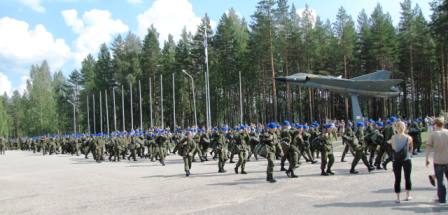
{"x": 186, "y": 148}
{"x": 327, "y": 156}
{"x": 241, "y": 145}
{"x": 204, "y": 143}
{"x": 270, "y": 139}
{"x": 222, "y": 148}
{"x": 357, "y": 150}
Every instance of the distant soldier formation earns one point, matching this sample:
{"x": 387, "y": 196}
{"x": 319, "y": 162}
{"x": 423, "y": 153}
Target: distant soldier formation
{"x": 288, "y": 142}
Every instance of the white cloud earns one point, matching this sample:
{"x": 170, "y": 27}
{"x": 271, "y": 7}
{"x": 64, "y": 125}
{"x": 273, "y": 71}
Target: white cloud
{"x": 36, "y": 5}
{"x": 22, "y": 46}
{"x": 5, "y": 85}
{"x": 135, "y": 1}
{"x": 93, "y": 28}
{"x": 168, "y": 17}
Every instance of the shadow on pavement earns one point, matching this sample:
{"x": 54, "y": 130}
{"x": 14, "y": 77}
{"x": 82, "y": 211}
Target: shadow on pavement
{"x": 391, "y": 190}
{"x": 416, "y": 207}
{"x": 421, "y": 210}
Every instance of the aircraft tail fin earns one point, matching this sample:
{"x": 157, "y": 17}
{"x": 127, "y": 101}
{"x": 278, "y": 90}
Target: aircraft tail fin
{"x": 378, "y": 75}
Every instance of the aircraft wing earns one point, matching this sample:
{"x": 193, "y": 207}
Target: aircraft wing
{"x": 375, "y": 85}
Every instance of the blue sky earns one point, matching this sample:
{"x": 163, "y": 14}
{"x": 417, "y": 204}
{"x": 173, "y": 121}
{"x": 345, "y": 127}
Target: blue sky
{"x": 65, "y": 31}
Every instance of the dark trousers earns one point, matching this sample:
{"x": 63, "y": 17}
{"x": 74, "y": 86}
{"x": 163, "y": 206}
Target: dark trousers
{"x": 440, "y": 170}
{"x": 407, "y": 167}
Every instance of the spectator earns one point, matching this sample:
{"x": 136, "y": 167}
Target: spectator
{"x": 438, "y": 143}
{"x": 402, "y": 149}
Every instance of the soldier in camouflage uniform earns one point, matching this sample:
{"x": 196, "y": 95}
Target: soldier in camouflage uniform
{"x": 204, "y": 144}
{"x": 222, "y": 148}
{"x": 294, "y": 151}
{"x": 241, "y": 145}
{"x": 272, "y": 144}
{"x": 186, "y": 148}
{"x": 254, "y": 140}
{"x": 2, "y": 146}
{"x": 415, "y": 131}
{"x": 285, "y": 141}
{"x": 327, "y": 159}
{"x": 100, "y": 144}
{"x": 132, "y": 148}
{"x": 385, "y": 147}
{"x": 349, "y": 138}
{"x": 197, "y": 139}
{"x": 161, "y": 142}
{"x": 44, "y": 145}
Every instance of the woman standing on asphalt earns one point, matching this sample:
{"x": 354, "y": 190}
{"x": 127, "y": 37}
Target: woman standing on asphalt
{"x": 402, "y": 149}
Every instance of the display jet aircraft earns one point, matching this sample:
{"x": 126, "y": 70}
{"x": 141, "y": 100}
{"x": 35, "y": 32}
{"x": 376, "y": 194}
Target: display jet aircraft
{"x": 377, "y": 84}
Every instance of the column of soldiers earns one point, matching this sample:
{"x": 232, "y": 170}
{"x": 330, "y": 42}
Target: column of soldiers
{"x": 289, "y": 143}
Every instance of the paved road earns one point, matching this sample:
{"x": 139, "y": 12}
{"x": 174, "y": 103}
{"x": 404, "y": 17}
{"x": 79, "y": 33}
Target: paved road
{"x": 62, "y": 184}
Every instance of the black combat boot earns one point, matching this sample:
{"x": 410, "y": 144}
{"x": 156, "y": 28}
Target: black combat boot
{"x": 187, "y": 173}
{"x": 288, "y": 173}
{"x": 330, "y": 172}
{"x": 162, "y": 162}
{"x": 236, "y": 170}
{"x": 293, "y": 175}
{"x": 243, "y": 172}
{"x": 271, "y": 179}
{"x": 324, "y": 173}
{"x": 352, "y": 171}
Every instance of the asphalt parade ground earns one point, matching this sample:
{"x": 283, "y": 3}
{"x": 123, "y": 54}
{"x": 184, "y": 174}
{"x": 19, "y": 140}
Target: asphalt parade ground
{"x": 64, "y": 184}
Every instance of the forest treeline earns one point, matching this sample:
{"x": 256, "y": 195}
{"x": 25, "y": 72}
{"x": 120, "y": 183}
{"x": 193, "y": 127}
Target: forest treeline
{"x": 275, "y": 41}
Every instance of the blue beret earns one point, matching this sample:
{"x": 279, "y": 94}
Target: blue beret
{"x": 381, "y": 124}
{"x": 306, "y": 127}
{"x": 271, "y": 125}
{"x": 286, "y": 123}
{"x": 360, "y": 124}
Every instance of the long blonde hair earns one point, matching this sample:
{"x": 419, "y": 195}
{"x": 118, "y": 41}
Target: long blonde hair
{"x": 399, "y": 128}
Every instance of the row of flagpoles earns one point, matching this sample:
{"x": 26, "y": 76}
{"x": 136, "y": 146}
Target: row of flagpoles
{"x": 207, "y": 97}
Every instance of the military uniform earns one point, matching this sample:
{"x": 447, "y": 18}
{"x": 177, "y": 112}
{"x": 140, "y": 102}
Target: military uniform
{"x": 415, "y": 132}
{"x": 2, "y": 146}
{"x": 186, "y": 148}
{"x": 386, "y": 148}
{"x": 241, "y": 145}
{"x": 99, "y": 149}
{"x": 285, "y": 141}
{"x": 161, "y": 148}
{"x": 132, "y": 148}
{"x": 222, "y": 150}
{"x": 204, "y": 143}
{"x": 272, "y": 144}
{"x": 254, "y": 140}
{"x": 327, "y": 156}
{"x": 357, "y": 149}
{"x": 294, "y": 153}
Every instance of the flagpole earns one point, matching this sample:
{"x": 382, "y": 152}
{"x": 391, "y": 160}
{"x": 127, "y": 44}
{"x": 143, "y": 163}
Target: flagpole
{"x": 122, "y": 108}
{"x": 174, "y": 103}
{"x": 132, "y": 110}
{"x": 161, "y": 100}
{"x": 208, "y": 81}
{"x": 150, "y": 104}
{"x": 88, "y": 115}
{"x": 107, "y": 113}
{"x": 94, "y": 114}
{"x": 140, "y": 96}
{"x": 101, "y": 113}
{"x": 115, "y": 110}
